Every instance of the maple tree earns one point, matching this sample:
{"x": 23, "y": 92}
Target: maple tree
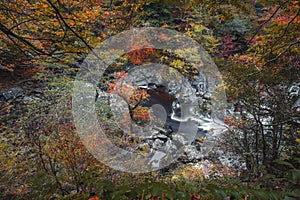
{"x": 133, "y": 95}
{"x": 49, "y": 31}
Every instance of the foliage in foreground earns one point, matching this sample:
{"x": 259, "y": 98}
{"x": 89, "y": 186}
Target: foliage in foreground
{"x": 48, "y": 161}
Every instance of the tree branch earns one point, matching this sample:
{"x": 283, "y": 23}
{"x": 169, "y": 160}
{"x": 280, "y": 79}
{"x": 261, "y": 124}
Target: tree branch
{"x": 8, "y": 32}
{"x": 267, "y": 21}
{"x": 70, "y": 28}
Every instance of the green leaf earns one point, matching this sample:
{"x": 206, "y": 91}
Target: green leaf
{"x": 261, "y": 195}
{"x": 282, "y": 162}
{"x": 288, "y": 198}
{"x": 295, "y": 175}
{"x": 297, "y": 160}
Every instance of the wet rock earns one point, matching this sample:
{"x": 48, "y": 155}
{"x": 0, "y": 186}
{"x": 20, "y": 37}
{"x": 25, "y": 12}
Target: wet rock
{"x": 157, "y": 144}
{"x": 153, "y": 136}
{"x": 161, "y": 130}
{"x": 174, "y": 103}
{"x": 162, "y": 137}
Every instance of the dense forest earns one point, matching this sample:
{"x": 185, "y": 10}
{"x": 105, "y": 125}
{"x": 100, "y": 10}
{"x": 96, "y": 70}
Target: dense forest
{"x": 150, "y": 99}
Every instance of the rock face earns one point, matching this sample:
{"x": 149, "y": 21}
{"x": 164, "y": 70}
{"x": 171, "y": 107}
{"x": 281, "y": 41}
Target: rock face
{"x": 294, "y": 93}
{"x": 13, "y": 101}
{"x": 173, "y": 103}
{"x": 12, "y": 93}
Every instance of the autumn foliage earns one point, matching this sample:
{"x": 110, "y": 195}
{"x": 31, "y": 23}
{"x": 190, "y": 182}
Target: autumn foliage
{"x": 133, "y": 95}
{"x": 42, "y": 44}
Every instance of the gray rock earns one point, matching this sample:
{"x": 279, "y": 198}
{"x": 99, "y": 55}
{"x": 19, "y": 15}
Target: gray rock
{"x": 156, "y": 159}
{"x": 161, "y": 130}
{"x": 12, "y": 93}
{"x": 157, "y": 144}
{"x": 161, "y": 137}
{"x": 170, "y": 147}
{"x": 192, "y": 153}
{"x": 294, "y": 90}
{"x": 179, "y": 138}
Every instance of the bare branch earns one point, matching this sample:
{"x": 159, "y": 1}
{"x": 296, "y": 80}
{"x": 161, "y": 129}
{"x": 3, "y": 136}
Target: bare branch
{"x": 267, "y": 21}
{"x": 281, "y": 53}
{"x": 70, "y": 28}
